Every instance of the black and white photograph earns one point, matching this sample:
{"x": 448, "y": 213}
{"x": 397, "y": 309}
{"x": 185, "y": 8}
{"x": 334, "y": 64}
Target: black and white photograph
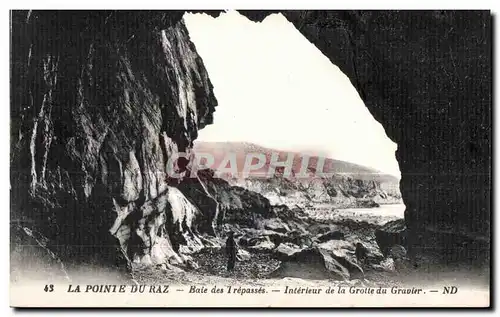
{"x": 251, "y": 158}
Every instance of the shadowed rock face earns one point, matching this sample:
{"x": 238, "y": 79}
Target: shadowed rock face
{"x": 391, "y": 233}
{"x": 426, "y": 77}
{"x": 98, "y": 108}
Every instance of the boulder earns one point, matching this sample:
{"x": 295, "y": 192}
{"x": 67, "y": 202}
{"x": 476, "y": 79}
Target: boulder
{"x": 341, "y": 248}
{"x": 368, "y": 253}
{"x": 235, "y": 205}
{"x": 286, "y": 250}
{"x": 397, "y": 252}
{"x": 391, "y": 233}
{"x": 361, "y": 252}
{"x": 277, "y": 238}
{"x": 386, "y": 265}
{"x": 303, "y": 240}
{"x": 319, "y": 228}
{"x": 251, "y": 235}
{"x": 400, "y": 258}
{"x": 243, "y": 241}
{"x": 318, "y": 263}
{"x": 162, "y": 250}
{"x": 243, "y": 255}
{"x": 191, "y": 265}
{"x": 261, "y": 244}
{"x": 367, "y": 204}
{"x": 347, "y": 249}
{"x": 170, "y": 268}
{"x": 331, "y": 235}
{"x": 275, "y": 224}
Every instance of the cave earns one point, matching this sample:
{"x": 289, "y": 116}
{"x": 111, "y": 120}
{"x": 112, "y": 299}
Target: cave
{"x": 434, "y": 101}
{"x": 425, "y": 76}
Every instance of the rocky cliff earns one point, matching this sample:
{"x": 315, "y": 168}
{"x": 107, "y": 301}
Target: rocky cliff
{"x": 338, "y": 191}
{"x": 100, "y": 101}
{"x": 426, "y": 77}
{"x": 307, "y": 179}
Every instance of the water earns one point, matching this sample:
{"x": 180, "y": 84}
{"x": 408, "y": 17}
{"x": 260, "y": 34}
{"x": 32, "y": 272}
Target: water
{"x": 379, "y": 215}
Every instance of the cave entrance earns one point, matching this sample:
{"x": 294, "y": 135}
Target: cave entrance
{"x": 277, "y": 93}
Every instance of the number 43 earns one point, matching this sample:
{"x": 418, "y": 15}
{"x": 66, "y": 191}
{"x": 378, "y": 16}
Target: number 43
{"x": 49, "y": 288}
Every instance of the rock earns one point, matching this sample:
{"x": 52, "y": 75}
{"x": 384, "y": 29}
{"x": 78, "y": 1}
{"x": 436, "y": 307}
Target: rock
{"x": 397, "y": 252}
{"x": 172, "y": 268}
{"x": 30, "y": 249}
{"x": 341, "y": 248}
{"x": 126, "y": 109}
{"x": 236, "y": 205}
{"x": 373, "y": 254}
{"x": 332, "y": 235}
{"x": 243, "y": 241}
{"x": 391, "y": 233}
{"x": 361, "y": 252}
{"x": 275, "y": 224}
{"x": 196, "y": 191}
{"x": 452, "y": 200}
{"x": 162, "y": 266}
{"x": 276, "y": 238}
{"x": 355, "y": 271}
{"x": 261, "y": 244}
{"x": 95, "y": 142}
{"x": 286, "y": 250}
{"x": 303, "y": 240}
{"x": 132, "y": 179}
{"x": 387, "y": 265}
{"x": 161, "y": 250}
{"x": 159, "y": 235}
{"x": 399, "y": 255}
{"x": 319, "y": 228}
{"x": 250, "y": 234}
{"x": 243, "y": 255}
{"x": 347, "y": 250}
{"x": 211, "y": 242}
{"x": 191, "y": 265}
{"x": 318, "y": 263}
{"x": 367, "y": 204}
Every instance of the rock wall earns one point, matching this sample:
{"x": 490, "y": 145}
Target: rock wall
{"x": 426, "y": 77}
{"x": 98, "y": 108}
{"x": 224, "y": 203}
{"x": 338, "y": 190}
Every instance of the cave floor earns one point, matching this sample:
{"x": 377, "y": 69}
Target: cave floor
{"x": 212, "y": 262}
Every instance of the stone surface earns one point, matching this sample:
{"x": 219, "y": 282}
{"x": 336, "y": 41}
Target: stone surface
{"x": 391, "y": 233}
{"x": 97, "y": 111}
{"x": 243, "y": 255}
{"x": 434, "y": 99}
{"x": 318, "y": 263}
{"x": 275, "y": 224}
{"x": 261, "y": 244}
{"x": 285, "y": 250}
{"x": 399, "y": 255}
{"x": 332, "y": 235}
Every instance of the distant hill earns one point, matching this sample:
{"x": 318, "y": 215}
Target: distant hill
{"x": 220, "y": 149}
{"x": 351, "y": 185}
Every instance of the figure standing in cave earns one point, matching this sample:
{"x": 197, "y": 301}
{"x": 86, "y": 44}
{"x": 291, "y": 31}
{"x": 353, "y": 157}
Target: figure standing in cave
{"x": 231, "y": 250}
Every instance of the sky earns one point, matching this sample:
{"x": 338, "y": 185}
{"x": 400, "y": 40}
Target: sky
{"x": 276, "y": 89}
